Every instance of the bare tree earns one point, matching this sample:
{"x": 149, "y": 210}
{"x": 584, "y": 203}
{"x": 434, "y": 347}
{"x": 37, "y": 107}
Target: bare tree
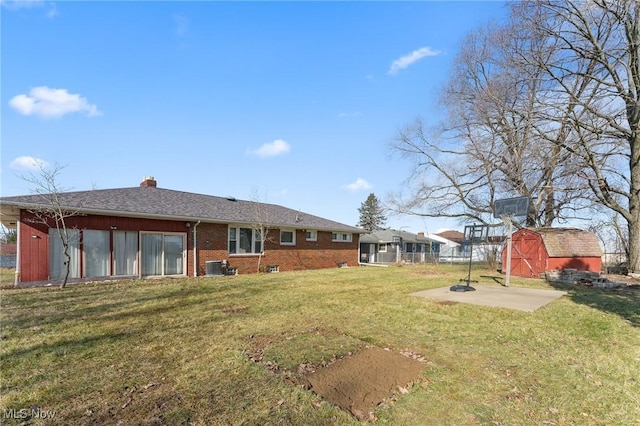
{"x": 51, "y": 210}
{"x": 261, "y": 224}
{"x": 597, "y": 44}
{"x": 547, "y": 106}
{"x": 489, "y": 146}
{"x": 613, "y": 238}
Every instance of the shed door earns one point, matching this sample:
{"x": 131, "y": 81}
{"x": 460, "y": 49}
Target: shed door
{"x": 526, "y": 256}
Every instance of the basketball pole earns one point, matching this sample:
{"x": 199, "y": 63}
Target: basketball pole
{"x": 506, "y": 209}
{"x": 507, "y": 280}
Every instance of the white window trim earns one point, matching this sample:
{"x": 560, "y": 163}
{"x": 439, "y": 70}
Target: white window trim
{"x": 254, "y": 233}
{"x": 382, "y": 247}
{"x": 293, "y": 242}
{"x": 338, "y": 237}
{"x": 314, "y": 235}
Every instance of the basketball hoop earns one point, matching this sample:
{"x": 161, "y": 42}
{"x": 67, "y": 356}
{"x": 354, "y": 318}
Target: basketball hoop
{"x": 472, "y": 234}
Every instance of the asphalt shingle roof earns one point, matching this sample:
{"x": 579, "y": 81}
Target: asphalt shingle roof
{"x": 153, "y": 202}
{"x": 391, "y": 235}
{"x": 569, "y": 242}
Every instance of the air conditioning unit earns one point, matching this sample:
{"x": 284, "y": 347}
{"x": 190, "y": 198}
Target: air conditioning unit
{"x": 213, "y": 268}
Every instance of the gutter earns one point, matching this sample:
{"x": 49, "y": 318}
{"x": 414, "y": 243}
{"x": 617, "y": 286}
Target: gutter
{"x": 16, "y": 279}
{"x": 195, "y": 250}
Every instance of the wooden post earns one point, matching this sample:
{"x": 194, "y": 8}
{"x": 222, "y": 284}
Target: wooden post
{"x": 507, "y": 280}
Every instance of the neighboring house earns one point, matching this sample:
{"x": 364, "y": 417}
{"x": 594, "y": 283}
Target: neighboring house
{"x": 8, "y": 255}
{"x": 457, "y": 249}
{"x": 536, "y": 251}
{"x": 453, "y": 249}
{"x": 148, "y": 231}
{"x": 392, "y": 246}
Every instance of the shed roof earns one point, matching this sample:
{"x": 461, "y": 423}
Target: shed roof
{"x": 166, "y": 204}
{"x": 569, "y": 242}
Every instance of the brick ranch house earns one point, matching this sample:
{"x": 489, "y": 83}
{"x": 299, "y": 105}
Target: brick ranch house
{"x": 147, "y": 231}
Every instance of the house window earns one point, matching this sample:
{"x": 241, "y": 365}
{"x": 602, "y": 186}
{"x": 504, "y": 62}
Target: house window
{"x": 312, "y": 235}
{"x": 162, "y": 254}
{"x": 340, "y": 237}
{"x": 96, "y": 251}
{"x": 244, "y": 240}
{"x": 409, "y": 247}
{"x": 125, "y": 253}
{"x": 57, "y": 259}
{"x": 287, "y": 237}
{"x": 382, "y": 248}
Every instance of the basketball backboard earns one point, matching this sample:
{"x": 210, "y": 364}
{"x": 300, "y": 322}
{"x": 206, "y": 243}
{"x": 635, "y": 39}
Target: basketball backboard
{"x": 476, "y": 233}
{"x": 518, "y": 206}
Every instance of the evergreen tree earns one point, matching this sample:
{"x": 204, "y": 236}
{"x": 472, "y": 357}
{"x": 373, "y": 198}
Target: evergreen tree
{"x": 372, "y": 215}
{"x": 8, "y": 236}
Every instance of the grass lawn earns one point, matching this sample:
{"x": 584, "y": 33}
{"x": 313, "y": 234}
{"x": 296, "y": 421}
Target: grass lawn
{"x": 179, "y": 351}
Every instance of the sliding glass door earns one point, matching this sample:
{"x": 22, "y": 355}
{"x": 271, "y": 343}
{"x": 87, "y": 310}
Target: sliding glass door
{"x": 57, "y": 259}
{"x": 96, "y": 248}
{"x": 173, "y": 251}
{"x": 162, "y": 254}
{"x": 125, "y": 253}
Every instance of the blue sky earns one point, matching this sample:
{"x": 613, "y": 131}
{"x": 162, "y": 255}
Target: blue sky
{"x": 292, "y": 103}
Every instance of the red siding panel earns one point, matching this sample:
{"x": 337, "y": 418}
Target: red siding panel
{"x": 34, "y": 238}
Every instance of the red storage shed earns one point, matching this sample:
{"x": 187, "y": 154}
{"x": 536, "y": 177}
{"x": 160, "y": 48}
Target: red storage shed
{"x": 536, "y": 251}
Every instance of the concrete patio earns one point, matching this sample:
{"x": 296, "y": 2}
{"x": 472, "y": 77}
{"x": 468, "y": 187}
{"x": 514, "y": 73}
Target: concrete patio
{"x": 523, "y": 299}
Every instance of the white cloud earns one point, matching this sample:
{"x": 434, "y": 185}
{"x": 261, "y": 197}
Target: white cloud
{"x": 359, "y": 185}
{"x": 46, "y": 102}
{"x": 28, "y": 163}
{"x": 411, "y": 58}
{"x": 272, "y": 149}
{"x": 14, "y": 5}
{"x": 21, "y": 4}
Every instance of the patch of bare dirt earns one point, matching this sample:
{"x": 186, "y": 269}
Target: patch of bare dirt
{"x": 356, "y": 382}
{"x": 364, "y": 380}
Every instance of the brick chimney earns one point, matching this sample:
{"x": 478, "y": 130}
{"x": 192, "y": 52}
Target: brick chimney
{"x": 149, "y": 182}
{"x": 421, "y": 234}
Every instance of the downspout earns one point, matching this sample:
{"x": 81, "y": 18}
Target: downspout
{"x": 16, "y": 279}
{"x": 195, "y": 250}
